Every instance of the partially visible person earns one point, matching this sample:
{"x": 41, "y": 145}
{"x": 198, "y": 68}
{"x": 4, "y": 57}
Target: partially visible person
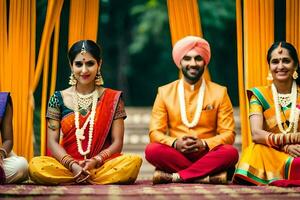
{"x": 90, "y": 121}
{"x": 192, "y": 125}
{"x": 13, "y": 168}
{"x": 273, "y": 157}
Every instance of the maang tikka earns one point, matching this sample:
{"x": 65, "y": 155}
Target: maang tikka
{"x": 83, "y": 50}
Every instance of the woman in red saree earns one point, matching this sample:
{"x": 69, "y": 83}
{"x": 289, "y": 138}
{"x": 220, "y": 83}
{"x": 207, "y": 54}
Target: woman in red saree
{"x": 85, "y": 128}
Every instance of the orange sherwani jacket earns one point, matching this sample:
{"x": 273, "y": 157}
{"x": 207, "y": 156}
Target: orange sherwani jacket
{"x": 216, "y": 124}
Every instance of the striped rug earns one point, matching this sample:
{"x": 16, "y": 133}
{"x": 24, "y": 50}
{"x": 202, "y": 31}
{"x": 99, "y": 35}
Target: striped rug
{"x": 145, "y": 190}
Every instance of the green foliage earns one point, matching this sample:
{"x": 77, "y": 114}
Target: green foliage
{"x": 136, "y": 42}
{"x": 142, "y": 36}
{"x": 219, "y": 29}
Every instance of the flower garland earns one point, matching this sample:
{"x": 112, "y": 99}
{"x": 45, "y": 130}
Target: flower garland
{"x": 183, "y": 108}
{"x": 79, "y": 133}
{"x": 293, "y": 119}
{"x": 284, "y": 99}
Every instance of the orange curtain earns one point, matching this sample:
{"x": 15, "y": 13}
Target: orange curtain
{"x": 18, "y": 72}
{"x": 17, "y": 57}
{"x": 255, "y": 34}
{"x": 3, "y": 45}
{"x": 293, "y": 23}
{"x": 184, "y": 19}
{"x": 52, "y": 25}
{"x": 83, "y": 22}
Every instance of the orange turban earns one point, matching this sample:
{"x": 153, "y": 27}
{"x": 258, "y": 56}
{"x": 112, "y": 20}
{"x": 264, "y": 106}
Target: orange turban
{"x": 188, "y": 43}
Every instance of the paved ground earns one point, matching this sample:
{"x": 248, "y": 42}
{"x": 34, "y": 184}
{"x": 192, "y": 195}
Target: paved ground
{"x": 136, "y": 135}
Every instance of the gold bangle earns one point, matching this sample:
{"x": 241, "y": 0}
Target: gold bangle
{"x": 267, "y": 140}
{"x": 204, "y": 145}
{"x": 105, "y": 154}
{"x": 3, "y": 152}
{"x": 99, "y": 160}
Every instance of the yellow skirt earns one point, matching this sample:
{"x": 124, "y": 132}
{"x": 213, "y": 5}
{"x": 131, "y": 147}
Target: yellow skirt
{"x": 261, "y": 165}
{"x": 123, "y": 169}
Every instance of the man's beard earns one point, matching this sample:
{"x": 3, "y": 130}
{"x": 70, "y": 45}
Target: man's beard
{"x": 194, "y": 78}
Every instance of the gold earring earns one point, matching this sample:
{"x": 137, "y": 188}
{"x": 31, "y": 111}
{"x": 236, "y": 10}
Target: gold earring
{"x": 269, "y": 77}
{"x": 98, "y": 79}
{"x": 72, "y": 79}
{"x": 295, "y": 75}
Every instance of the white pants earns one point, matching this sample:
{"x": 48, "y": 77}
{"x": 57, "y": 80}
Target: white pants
{"x": 15, "y": 168}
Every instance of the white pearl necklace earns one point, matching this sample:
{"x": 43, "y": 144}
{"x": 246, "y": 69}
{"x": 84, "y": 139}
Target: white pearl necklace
{"x": 183, "y": 108}
{"x": 80, "y": 131}
{"x": 293, "y": 119}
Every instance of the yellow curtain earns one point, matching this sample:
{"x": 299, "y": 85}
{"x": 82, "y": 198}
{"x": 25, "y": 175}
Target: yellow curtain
{"x": 3, "y": 43}
{"x": 17, "y": 57}
{"x": 293, "y": 23}
{"x": 184, "y": 19}
{"x": 83, "y": 22}
{"x": 252, "y": 44}
{"x": 52, "y": 24}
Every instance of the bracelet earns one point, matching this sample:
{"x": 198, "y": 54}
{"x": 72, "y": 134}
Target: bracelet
{"x": 105, "y": 154}
{"x": 99, "y": 160}
{"x": 67, "y": 161}
{"x": 203, "y": 143}
{"x": 3, "y": 152}
{"x": 174, "y": 144}
{"x": 267, "y": 140}
{"x": 285, "y": 148}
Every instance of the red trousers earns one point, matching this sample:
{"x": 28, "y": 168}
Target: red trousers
{"x": 193, "y": 165}
{"x": 294, "y": 179}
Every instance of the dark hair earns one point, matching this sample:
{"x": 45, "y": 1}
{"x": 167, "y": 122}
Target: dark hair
{"x": 292, "y": 51}
{"x": 90, "y": 47}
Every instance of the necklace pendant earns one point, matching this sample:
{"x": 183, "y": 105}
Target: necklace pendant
{"x": 83, "y": 112}
{"x": 79, "y": 134}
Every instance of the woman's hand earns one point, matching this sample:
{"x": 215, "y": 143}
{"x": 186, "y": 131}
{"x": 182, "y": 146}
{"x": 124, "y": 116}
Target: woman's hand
{"x": 80, "y": 175}
{"x": 294, "y": 150}
{"x": 88, "y": 164}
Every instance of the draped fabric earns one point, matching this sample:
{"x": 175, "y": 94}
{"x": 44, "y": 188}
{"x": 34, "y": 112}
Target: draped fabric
{"x": 17, "y": 71}
{"x": 83, "y": 22}
{"x": 105, "y": 112}
{"x": 293, "y": 23}
{"x": 3, "y": 43}
{"x": 184, "y": 19}
{"x": 17, "y": 57}
{"x": 51, "y": 25}
{"x": 255, "y": 34}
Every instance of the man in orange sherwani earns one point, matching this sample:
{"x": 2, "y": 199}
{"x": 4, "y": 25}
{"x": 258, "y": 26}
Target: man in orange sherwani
{"x": 192, "y": 125}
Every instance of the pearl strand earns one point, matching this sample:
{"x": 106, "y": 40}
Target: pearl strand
{"x": 292, "y": 119}
{"x": 183, "y": 108}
